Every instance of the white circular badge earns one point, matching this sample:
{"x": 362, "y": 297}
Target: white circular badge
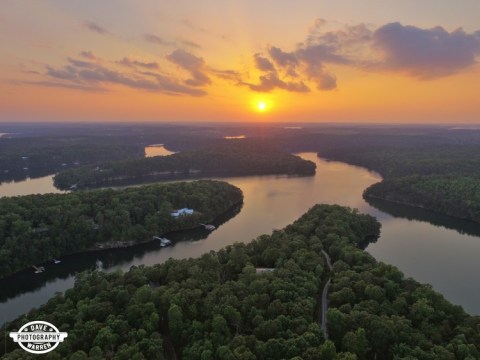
{"x": 38, "y": 337}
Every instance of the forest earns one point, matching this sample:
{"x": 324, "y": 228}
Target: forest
{"x": 38, "y": 228}
{"x": 454, "y": 195}
{"x": 33, "y": 157}
{"x": 231, "y": 158}
{"x": 439, "y": 173}
{"x": 219, "y": 307}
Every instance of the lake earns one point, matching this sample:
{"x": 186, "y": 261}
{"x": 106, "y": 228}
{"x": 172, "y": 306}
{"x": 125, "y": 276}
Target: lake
{"x": 431, "y": 250}
{"x": 157, "y": 150}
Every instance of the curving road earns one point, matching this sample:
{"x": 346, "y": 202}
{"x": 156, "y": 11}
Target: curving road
{"x": 323, "y": 321}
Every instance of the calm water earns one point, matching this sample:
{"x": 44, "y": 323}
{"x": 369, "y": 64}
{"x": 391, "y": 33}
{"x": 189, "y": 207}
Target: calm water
{"x": 436, "y": 254}
{"x": 157, "y": 150}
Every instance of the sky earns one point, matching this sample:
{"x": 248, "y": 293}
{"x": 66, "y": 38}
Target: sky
{"x": 374, "y": 61}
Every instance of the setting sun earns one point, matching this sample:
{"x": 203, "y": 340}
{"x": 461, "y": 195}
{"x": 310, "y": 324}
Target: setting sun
{"x": 261, "y": 106}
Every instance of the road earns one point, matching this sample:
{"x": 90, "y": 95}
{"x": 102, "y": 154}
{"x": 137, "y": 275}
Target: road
{"x": 327, "y": 259}
{"x": 323, "y": 321}
{"x": 169, "y": 349}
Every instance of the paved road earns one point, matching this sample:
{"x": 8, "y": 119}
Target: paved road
{"x": 323, "y": 321}
{"x": 324, "y": 309}
{"x": 327, "y": 259}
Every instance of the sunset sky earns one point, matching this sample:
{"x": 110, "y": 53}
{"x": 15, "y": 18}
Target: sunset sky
{"x": 383, "y": 61}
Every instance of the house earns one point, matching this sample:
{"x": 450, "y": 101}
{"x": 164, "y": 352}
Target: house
{"x": 181, "y": 212}
{"x": 263, "y": 270}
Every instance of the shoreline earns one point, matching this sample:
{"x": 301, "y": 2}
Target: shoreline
{"x": 365, "y": 194}
{"x": 170, "y": 177}
{"x": 368, "y": 196}
{"x": 125, "y": 244}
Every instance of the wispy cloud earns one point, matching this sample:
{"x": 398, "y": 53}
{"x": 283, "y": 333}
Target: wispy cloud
{"x": 97, "y": 74}
{"x": 87, "y": 55}
{"x": 135, "y": 63}
{"x": 92, "y": 26}
{"x": 271, "y": 81}
{"x": 157, "y": 40}
{"x": 191, "y": 44}
{"x": 191, "y": 63}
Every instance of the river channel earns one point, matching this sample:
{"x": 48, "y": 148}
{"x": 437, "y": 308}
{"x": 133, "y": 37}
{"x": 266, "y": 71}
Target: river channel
{"x": 432, "y": 249}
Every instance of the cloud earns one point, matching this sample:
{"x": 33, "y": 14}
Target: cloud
{"x": 88, "y": 55}
{"x": 96, "y": 76}
{"x": 263, "y": 63}
{"x": 230, "y": 75}
{"x": 281, "y": 57}
{"x": 135, "y": 63}
{"x": 420, "y": 53}
{"x": 426, "y": 53}
{"x": 154, "y": 39}
{"x": 80, "y": 63}
{"x": 191, "y": 63}
{"x": 271, "y": 81}
{"x": 157, "y": 40}
{"x": 92, "y": 26}
{"x": 191, "y": 44}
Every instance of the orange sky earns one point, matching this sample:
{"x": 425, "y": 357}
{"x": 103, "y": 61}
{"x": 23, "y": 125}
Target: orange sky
{"x": 350, "y": 61}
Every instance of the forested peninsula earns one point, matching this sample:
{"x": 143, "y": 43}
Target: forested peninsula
{"x": 37, "y": 228}
{"x": 234, "y": 158}
{"x": 442, "y": 178}
{"x": 220, "y": 306}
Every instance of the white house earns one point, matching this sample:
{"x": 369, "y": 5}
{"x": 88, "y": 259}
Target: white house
{"x": 180, "y": 212}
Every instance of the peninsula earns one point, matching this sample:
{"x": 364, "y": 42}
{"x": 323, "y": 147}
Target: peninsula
{"x": 37, "y": 228}
{"x": 233, "y": 158}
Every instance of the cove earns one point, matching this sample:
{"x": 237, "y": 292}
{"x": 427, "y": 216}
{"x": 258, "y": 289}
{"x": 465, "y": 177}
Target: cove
{"x": 431, "y": 251}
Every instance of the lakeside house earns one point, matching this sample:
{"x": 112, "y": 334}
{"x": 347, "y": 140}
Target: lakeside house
{"x": 263, "y": 270}
{"x": 182, "y": 212}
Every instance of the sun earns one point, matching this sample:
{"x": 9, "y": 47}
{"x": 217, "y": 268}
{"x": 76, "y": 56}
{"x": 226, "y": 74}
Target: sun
{"x": 261, "y": 106}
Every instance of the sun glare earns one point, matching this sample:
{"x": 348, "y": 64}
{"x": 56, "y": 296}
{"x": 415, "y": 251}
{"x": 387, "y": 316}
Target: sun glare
{"x": 261, "y": 105}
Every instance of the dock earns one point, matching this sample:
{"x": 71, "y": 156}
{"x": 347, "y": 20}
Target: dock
{"x": 38, "y": 269}
{"x": 163, "y": 241}
{"x": 208, "y": 227}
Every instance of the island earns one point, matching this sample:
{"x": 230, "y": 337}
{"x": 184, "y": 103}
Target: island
{"x": 37, "y": 228}
{"x": 230, "y": 158}
{"x": 262, "y": 300}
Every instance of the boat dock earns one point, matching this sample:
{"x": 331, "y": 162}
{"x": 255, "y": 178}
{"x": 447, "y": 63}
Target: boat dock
{"x": 208, "y": 227}
{"x": 38, "y": 269}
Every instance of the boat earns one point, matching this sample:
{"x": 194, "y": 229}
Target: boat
{"x": 99, "y": 264}
{"x": 38, "y": 269}
{"x": 55, "y": 261}
{"x": 208, "y": 227}
{"x": 163, "y": 241}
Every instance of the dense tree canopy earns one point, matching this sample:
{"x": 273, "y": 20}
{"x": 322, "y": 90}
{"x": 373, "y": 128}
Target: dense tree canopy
{"x": 441, "y": 177}
{"x": 457, "y": 196}
{"x": 219, "y": 307}
{"x": 37, "y": 228}
{"x": 233, "y": 158}
{"x": 40, "y": 156}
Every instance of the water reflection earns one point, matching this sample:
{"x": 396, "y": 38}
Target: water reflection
{"x": 235, "y": 137}
{"x": 418, "y": 214}
{"x": 25, "y": 289}
{"x": 440, "y": 256}
{"x": 42, "y": 185}
{"x": 157, "y": 150}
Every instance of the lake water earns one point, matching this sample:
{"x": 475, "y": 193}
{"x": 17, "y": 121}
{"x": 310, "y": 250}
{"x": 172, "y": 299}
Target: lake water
{"x": 437, "y": 254}
{"x": 157, "y": 150}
